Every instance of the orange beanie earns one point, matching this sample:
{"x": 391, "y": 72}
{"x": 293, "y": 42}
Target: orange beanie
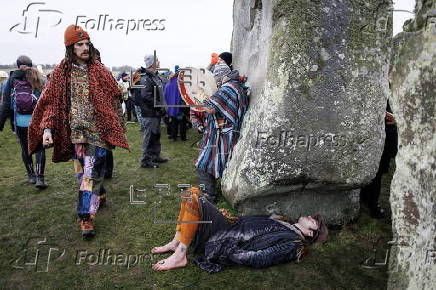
{"x": 74, "y": 34}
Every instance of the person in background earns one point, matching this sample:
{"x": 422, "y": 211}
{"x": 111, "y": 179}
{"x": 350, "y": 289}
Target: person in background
{"x": 370, "y": 194}
{"x": 3, "y": 81}
{"x": 22, "y": 92}
{"x": 225, "y": 111}
{"x": 177, "y": 115}
{"x": 150, "y": 100}
{"x": 124, "y": 84}
{"x": 135, "y": 81}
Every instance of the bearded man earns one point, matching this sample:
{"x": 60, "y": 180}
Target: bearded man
{"x": 79, "y": 114}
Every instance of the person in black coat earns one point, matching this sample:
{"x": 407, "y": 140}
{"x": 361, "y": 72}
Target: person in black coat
{"x": 370, "y": 194}
{"x": 149, "y": 98}
{"x": 256, "y": 241}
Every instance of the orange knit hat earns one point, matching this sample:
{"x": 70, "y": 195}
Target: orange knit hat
{"x": 74, "y": 34}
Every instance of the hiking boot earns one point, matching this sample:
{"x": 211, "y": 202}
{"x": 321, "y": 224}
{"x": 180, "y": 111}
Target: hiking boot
{"x": 40, "y": 183}
{"x": 160, "y": 159}
{"x": 149, "y": 164}
{"x": 87, "y": 228}
{"x": 31, "y": 179}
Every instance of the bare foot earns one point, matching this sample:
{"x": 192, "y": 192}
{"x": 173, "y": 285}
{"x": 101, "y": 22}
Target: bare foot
{"x": 170, "y": 247}
{"x": 176, "y": 260}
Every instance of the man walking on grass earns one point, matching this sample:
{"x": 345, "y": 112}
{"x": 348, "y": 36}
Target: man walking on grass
{"x": 79, "y": 113}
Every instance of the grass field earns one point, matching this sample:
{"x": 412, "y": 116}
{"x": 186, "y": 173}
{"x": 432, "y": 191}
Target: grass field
{"x": 43, "y": 224}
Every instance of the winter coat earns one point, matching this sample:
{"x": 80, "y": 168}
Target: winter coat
{"x": 145, "y": 98}
{"x": 53, "y": 110}
{"x": 256, "y": 241}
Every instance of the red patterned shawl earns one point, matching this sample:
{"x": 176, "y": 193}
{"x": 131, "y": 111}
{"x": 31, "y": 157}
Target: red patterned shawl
{"x": 53, "y": 108}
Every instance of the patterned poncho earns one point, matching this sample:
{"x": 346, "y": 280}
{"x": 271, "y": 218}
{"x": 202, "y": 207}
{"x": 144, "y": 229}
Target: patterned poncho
{"x": 222, "y": 128}
{"x": 53, "y": 109}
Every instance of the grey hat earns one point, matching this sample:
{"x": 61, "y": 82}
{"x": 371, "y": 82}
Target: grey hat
{"x": 220, "y": 71}
{"x": 149, "y": 60}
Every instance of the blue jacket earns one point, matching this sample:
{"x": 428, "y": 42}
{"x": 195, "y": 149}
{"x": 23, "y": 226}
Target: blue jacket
{"x": 173, "y": 97}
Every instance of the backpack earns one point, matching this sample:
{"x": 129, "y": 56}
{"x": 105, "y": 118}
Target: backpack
{"x": 25, "y": 100}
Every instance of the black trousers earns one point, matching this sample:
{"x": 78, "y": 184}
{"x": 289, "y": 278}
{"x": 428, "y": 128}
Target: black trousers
{"x": 177, "y": 126}
{"x": 151, "y": 146}
{"x": 130, "y": 110}
{"x": 208, "y": 181}
{"x": 109, "y": 164}
{"x": 371, "y": 193}
{"x": 27, "y": 159}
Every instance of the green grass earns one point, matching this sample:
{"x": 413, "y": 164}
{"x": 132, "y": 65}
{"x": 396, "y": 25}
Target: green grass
{"x": 128, "y": 229}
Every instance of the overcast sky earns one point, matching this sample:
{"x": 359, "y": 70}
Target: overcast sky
{"x": 187, "y": 31}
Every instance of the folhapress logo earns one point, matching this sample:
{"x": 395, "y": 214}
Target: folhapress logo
{"x": 34, "y": 17}
{"x": 37, "y": 255}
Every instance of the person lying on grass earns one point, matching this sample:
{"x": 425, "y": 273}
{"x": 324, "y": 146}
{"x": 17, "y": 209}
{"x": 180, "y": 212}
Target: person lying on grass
{"x": 257, "y": 241}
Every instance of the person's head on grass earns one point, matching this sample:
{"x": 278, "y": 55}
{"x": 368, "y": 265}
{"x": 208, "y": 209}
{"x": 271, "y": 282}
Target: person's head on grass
{"x": 313, "y": 228}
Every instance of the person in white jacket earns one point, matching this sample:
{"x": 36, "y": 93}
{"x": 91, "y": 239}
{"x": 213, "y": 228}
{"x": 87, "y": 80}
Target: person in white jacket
{"x": 128, "y": 107}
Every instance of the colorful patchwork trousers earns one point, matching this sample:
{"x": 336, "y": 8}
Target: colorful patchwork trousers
{"x": 90, "y": 167}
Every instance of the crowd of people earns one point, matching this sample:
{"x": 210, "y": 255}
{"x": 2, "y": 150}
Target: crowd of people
{"x": 81, "y": 111}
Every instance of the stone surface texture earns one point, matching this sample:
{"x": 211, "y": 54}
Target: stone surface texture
{"x": 413, "y": 188}
{"x": 314, "y": 131}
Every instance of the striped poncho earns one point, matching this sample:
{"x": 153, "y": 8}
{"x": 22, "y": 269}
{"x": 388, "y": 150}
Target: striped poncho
{"x": 222, "y": 128}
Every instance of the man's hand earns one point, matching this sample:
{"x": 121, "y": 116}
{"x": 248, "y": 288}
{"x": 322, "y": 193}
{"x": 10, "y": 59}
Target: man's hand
{"x": 390, "y": 119}
{"x": 47, "y": 139}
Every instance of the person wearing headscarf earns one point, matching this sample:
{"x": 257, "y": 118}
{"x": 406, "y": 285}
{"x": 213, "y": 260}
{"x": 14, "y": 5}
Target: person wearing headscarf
{"x": 224, "y": 115}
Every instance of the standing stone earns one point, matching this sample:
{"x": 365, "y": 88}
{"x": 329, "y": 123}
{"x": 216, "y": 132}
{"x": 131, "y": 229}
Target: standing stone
{"x": 413, "y": 188}
{"x": 314, "y": 132}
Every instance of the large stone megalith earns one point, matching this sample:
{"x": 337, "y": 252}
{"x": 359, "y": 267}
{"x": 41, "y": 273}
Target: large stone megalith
{"x": 413, "y": 188}
{"x": 314, "y": 131}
